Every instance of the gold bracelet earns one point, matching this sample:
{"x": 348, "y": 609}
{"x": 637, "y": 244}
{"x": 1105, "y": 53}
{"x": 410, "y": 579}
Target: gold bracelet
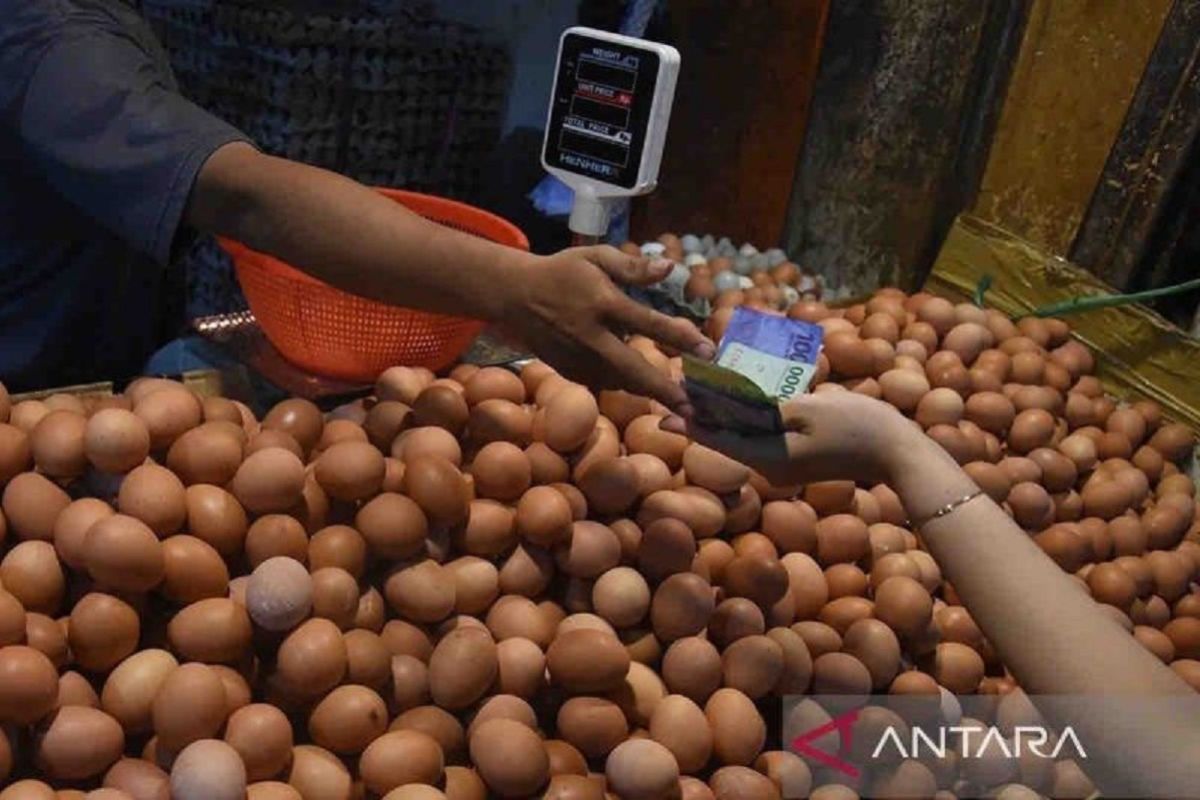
{"x": 950, "y": 507}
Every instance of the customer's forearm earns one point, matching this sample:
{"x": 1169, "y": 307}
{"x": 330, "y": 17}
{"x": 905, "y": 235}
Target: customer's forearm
{"x": 1049, "y": 632}
{"x": 350, "y": 236}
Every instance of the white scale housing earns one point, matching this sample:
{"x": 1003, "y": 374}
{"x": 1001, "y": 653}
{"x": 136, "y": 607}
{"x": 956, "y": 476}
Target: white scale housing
{"x": 607, "y": 121}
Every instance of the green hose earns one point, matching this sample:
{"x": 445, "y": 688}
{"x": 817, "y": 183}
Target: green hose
{"x": 1076, "y": 305}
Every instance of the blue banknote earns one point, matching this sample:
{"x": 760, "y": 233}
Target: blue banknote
{"x": 762, "y": 360}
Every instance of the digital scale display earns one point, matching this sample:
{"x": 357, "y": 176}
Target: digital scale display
{"x": 601, "y": 108}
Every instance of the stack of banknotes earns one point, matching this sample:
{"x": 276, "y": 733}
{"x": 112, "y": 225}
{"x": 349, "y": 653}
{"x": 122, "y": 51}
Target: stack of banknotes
{"x": 762, "y": 361}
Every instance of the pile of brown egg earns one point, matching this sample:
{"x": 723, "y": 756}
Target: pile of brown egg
{"x": 501, "y": 585}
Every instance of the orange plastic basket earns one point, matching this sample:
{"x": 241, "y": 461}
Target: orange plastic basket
{"x": 330, "y": 332}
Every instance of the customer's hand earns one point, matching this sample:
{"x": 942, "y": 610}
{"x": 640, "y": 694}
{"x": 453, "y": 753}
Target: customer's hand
{"x": 567, "y": 309}
{"x": 830, "y": 436}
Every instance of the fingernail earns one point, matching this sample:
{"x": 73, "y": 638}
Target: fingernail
{"x": 673, "y": 424}
{"x": 661, "y": 265}
{"x": 706, "y": 350}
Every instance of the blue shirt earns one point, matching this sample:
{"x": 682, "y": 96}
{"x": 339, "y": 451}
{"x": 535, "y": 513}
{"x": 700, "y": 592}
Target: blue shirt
{"x": 98, "y": 155}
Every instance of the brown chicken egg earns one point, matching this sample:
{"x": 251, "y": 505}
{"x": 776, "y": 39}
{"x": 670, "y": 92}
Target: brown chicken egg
{"x": 27, "y": 413}
{"x": 156, "y": 497}
{"x": 57, "y": 444}
{"x": 643, "y": 435}
{"x": 940, "y": 406}
{"x": 501, "y": 471}
{"x": 385, "y": 421}
{"x": 270, "y": 437}
{"x": 216, "y": 517}
{"x": 77, "y": 743}
{"x": 15, "y": 456}
{"x": 312, "y": 659}
{"x": 904, "y": 388}
{"x": 270, "y": 480}
{"x": 392, "y": 525}
{"x": 494, "y": 383}
{"x": 350, "y": 470}
{"x": 849, "y": 356}
{"x": 1174, "y": 441}
{"x": 841, "y": 538}
{"x": 510, "y": 758}
{"x": 123, "y": 553}
{"x": 422, "y": 591}
{"x": 103, "y": 630}
{"x": 543, "y": 516}
{"x": 130, "y": 689}
{"x": 300, "y": 418}
{"x": 340, "y": 429}
{"x": 28, "y": 684}
{"x": 438, "y": 488}
{"x": 214, "y": 630}
{"x": 168, "y": 413}
{"x": 590, "y": 550}
{"x": 31, "y": 503}
{"x": 1031, "y": 429}
{"x": 210, "y": 453}
{"x": 138, "y": 779}
{"x": 190, "y": 705}
{"x": 348, "y": 719}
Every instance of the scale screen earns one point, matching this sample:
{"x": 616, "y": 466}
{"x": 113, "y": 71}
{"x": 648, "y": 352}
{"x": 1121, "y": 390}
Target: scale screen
{"x": 601, "y": 109}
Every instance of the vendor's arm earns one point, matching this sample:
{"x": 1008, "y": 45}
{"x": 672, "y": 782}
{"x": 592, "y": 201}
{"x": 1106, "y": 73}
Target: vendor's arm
{"x": 88, "y": 105}
{"x": 1047, "y": 630}
{"x": 564, "y": 306}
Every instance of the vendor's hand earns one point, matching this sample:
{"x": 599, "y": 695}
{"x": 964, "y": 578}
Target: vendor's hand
{"x": 830, "y": 436}
{"x": 567, "y": 309}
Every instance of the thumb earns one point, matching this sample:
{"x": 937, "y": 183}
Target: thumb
{"x": 798, "y": 412}
{"x": 772, "y": 456}
{"x": 623, "y": 268}
{"x": 767, "y": 452}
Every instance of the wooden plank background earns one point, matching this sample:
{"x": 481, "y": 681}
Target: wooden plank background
{"x": 1149, "y": 160}
{"x": 898, "y": 134}
{"x": 1079, "y": 65}
{"x": 738, "y": 123}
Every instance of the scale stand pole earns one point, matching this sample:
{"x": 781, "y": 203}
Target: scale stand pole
{"x": 584, "y": 240}
{"x": 590, "y": 215}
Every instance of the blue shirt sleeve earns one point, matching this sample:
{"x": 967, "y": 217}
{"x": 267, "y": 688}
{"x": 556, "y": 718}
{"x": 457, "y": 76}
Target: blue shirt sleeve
{"x": 101, "y": 123}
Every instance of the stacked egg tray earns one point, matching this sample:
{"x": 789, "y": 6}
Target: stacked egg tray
{"x": 712, "y": 273}
{"x": 382, "y": 92}
{"x": 401, "y": 98}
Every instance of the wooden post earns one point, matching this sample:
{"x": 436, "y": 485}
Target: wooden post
{"x": 737, "y": 126}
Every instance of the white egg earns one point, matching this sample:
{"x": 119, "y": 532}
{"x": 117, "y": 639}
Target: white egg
{"x": 679, "y": 276}
{"x": 775, "y": 257}
{"x": 951, "y": 708}
{"x": 724, "y": 281}
{"x": 279, "y": 593}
